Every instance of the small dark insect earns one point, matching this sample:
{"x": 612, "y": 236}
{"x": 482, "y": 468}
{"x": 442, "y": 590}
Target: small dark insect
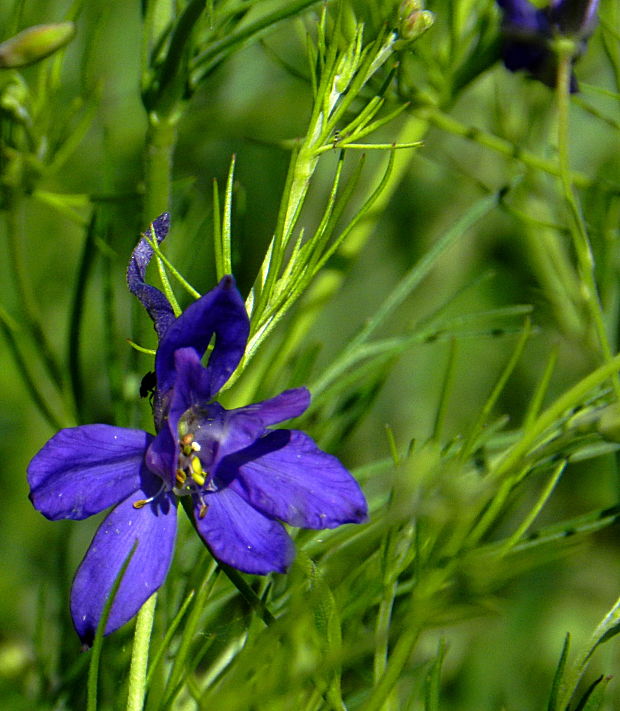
{"x": 148, "y": 384}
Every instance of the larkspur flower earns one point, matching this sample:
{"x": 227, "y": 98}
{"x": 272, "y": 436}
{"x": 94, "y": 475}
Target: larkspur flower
{"x": 241, "y": 477}
{"x": 529, "y": 32}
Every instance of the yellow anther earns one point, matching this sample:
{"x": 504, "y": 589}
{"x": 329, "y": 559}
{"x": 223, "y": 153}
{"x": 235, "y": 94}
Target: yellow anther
{"x": 197, "y": 472}
{"x": 181, "y": 477}
{"x": 140, "y": 503}
{"x": 203, "y": 511}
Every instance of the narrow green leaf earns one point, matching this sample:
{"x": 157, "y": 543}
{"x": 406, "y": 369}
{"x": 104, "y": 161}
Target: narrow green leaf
{"x": 559, "y": 676}
{"x": 432, "y": 682}
{"x": 608, "y": 628}
{"x": 593, "y": 698}
{"x": 218, "y": 247}
{"x": 498, "y": 388}
{"x": 227, "y": 222}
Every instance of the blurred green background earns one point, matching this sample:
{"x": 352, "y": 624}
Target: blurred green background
{"x": 504, "y": 639}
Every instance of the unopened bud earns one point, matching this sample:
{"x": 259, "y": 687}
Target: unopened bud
{"x": 413, "y": 20}
{"x": 34, "y": 43}
{"x": 14, "y": 99}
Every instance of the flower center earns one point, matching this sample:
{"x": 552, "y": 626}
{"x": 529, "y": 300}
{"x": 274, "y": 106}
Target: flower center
{"x": 190, "y": 475}
{"x": 198, "y": 434}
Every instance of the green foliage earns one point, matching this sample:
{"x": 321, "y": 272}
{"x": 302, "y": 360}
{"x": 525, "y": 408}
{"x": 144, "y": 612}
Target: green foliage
{"x": 426, "y": 241}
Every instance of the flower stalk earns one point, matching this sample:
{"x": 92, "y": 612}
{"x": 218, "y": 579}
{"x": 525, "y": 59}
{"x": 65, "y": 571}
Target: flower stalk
{"x": 140, "y": 655}
{"x": 161, "y": 138}
{"x": 583, "y": 250}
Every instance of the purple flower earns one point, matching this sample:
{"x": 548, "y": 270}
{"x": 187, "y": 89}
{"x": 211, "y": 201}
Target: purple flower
{"x": 241, "y": 477}
{"x": 529, "y": 31}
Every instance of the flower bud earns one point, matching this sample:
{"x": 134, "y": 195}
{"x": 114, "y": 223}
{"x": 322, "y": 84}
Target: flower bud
{"x": 413, "y": 19}
{"x": 14, "y": 100}
{"x": 34, "y": 43}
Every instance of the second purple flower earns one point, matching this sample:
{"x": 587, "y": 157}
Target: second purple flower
{"x": 528, "y": 32}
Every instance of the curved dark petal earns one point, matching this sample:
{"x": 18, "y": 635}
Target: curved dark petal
{"x": 192, "y": 389}
{"x": 242, "y": 537}
{"x": 285, "y": 475}
{"x": 154, "y": 529}
{"x": 161, "y": 456}
{"x": 522, "y": 16}
{"x": 192, "y": 384}
{"x": 219, "y": 312}
{"x": 286, "y": 405}
{"x": 574, "y": 17}
{"x": 157, "y": 305}
{"x": 81, "y": 471}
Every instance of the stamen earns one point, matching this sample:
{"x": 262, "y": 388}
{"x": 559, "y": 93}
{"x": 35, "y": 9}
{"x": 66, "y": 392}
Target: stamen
{"x": 187, "y": 443}
{"x": 203, "y": 510}
{"x": 181, "y": 477}
{"x": 197, "y": 473}
{"x": 141, "y": 503}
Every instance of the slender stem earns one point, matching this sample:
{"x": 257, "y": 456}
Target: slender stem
{"x": 25, "y": 291}
{"x": 75, "y": 321}
{"x": 382, "y": 636}
{"x": 234, "y": 576}
{"x": 22, "y": 366}
{"x": 140, "y": 655}
{"x": 161, "y": 139}
{"x": 583, "y": 249}
{"x": 330, "y": 280}
{"x": 499, "y": 145}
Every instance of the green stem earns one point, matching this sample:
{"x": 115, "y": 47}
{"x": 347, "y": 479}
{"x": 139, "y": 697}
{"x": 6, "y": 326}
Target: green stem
{"x": 499, "y": 145}
{"x": 329, "y": 281}
{"x": 140, "y": 655}
{"x": 25, "y": 292}
{"x": 581, "y": 243}
{"x": 22, "y": 366}
{"x": 160, "y": 143}
{"x": 235, "y": 578}
{"x": 75, "y": 320}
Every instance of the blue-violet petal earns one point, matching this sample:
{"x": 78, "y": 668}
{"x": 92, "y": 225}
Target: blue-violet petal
{"x": 285, "y": 475}
{"x": 81, "y": 471}
{"x": 219, "y": 312}
{"x": 242, "y": 537}
{"x": 153, "y": 527}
